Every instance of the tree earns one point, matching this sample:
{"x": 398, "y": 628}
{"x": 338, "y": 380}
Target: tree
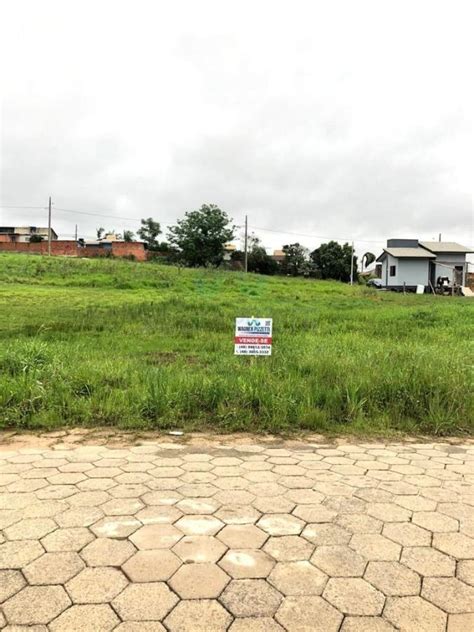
{"x": 100, "y": 231}
{"x": 367, "y": 259}
{"x": 296, "y": 259}
{"x": 258, "y": 260}
{"x": 128, "y": 235}
{"x": 201, "y": 236}
{"x": 333, "y": 261}
{"x": 149, "y": 232}
{"x": 36, "y": 239}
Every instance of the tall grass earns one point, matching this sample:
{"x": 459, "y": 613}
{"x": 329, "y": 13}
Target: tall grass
{"x": 105, "y": 342}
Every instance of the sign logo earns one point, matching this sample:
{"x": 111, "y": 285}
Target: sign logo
{"x": 253, "y": 336}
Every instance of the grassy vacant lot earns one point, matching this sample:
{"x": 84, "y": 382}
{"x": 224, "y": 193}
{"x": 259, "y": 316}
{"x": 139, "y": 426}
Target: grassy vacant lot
{"x": 107, "y": 342}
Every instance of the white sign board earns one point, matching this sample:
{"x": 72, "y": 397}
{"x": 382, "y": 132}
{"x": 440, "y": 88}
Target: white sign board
{"x": 253, "y": 336}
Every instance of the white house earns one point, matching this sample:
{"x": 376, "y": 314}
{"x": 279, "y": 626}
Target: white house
{"x": 406, "y": 263}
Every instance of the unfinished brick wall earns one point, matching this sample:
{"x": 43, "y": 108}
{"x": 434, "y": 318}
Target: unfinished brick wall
{"x": 69, "y": 248}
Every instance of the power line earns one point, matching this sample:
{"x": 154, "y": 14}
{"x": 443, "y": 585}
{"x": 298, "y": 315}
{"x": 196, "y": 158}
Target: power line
{"x": 68, "y": 210}
{"x": 285, "y": 232}
{"x": 27, "y": 207}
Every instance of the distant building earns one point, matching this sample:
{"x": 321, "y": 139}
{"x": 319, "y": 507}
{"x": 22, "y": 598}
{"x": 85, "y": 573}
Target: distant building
{"x": 278, "y": 256}
{"x": 228, "y": 250}
{"x": 406, "y": 263}
{"x": 23, "y": 234}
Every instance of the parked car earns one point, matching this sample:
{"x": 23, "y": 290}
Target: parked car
{"x": 375, "y": 283}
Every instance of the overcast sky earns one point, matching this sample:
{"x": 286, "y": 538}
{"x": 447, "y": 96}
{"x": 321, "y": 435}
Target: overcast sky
{"x": 336, "y": 119}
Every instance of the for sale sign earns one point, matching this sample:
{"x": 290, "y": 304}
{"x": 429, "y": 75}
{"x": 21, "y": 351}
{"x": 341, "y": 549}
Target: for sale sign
{"x": 253, "y": 336}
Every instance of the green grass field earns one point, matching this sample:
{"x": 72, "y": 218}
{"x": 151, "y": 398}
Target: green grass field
{"x": 108, "y": 342}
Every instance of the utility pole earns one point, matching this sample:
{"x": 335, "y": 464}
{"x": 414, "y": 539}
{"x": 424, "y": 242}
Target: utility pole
{"x": 49, "y": 227}
{"x": 439, "y": 237}
{"x": 246, "y": 257}
{"x": 352, "y": 264}
{"x": 75, "y": 233}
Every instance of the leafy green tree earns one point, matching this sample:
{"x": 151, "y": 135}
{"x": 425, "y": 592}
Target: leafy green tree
{"x": 333, "y": 261}
{"x": 296, "y": 259}
{"x": 201, "y": 236}
{"x": 36, "y": 239}
{"x": 100, "y": 231}
{"x": 367, "y": 259}
{"x": 128, "y": 235}
{"x": 258, "y": 260}
{"x": 149, "y": 232}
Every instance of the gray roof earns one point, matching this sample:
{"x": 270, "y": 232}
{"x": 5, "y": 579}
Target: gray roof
{"x": 445, "y": 246}
{"x": 408, "y": 253}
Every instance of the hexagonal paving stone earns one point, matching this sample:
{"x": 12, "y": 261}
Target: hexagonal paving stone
{"x": 116, "y": 527}
{"x": 242, "y": 536}
{"x": 465, "y": 571}
{"x": 89, "y": 499}
{"x": 326, "y": 533}
{"x": 36, "y": 605}
{"x": 152, "y": 566}
{"x": 198, "y": 505}
{"x": 30, "y": 529}
{"x": 460, "y": 622}
{"x": 354, "y": 596}
{"x": 366, "y": 624}
{"x": 375, "y": 547}
{"x": 359, "y": 523}
{"x": 247, "y": 563}
{"x": 272, "y": 504}
{"x": 389, "y": 512}
{"x": 297, "y": 579}
{"x": 53, "y": 568}
{"x": 204, "y": 615}
{"x": 238, "y": 514}
{"x": 281, "y": 524}
{"x": 18, "y": 554}
{"x": 288, "y": 548}
{"x": 199, "y": 549}
{"x": 107, "y": 552}
{"x": 253, "y": 624}
{"x": 407, "y": 534}
{"x": 304, "y": 496}
{"x": 199, "y": 525}
{"x": 145, "y": 602}
{"x": 449, "y": 594}
{"x": 302, "y": 614}
{"x": 435, "y": 521}
{"x": 96, "y": 585}
{"x": 199, "y": 581}
{"x": 428, "y": 562}
{"x": 122, "y": 507}
{"x": 86, "y": 618}
{"x": 250, "y": 598}
{"x": 339, "y": 560}
{"x": 79, "y": 517}
{"x": 156, "y": 536}
{"x": 414, "y": 614}
{"x": 140, "y": 626}
{"x": 70, "y": 539}
{"x": 314, "y": 513}
{"x": 458, "y": 545}
{"x": 393, "y": 579}
{"x": 11, "y": 582}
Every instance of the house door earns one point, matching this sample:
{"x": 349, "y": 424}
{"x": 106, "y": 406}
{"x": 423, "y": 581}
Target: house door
{"x": 458, "y": 274}
{"x": 432, "y": 273}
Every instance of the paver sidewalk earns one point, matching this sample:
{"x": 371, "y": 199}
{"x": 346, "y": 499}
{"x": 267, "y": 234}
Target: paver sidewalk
{"x": 239, "y": 534}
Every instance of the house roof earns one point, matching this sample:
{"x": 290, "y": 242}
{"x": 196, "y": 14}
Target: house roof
{"x": 407, "y": 253}
{"x": 445, "y": 246}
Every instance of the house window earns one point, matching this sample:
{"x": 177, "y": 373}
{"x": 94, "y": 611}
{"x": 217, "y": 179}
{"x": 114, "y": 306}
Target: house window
{"x": 393, "y": 271}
